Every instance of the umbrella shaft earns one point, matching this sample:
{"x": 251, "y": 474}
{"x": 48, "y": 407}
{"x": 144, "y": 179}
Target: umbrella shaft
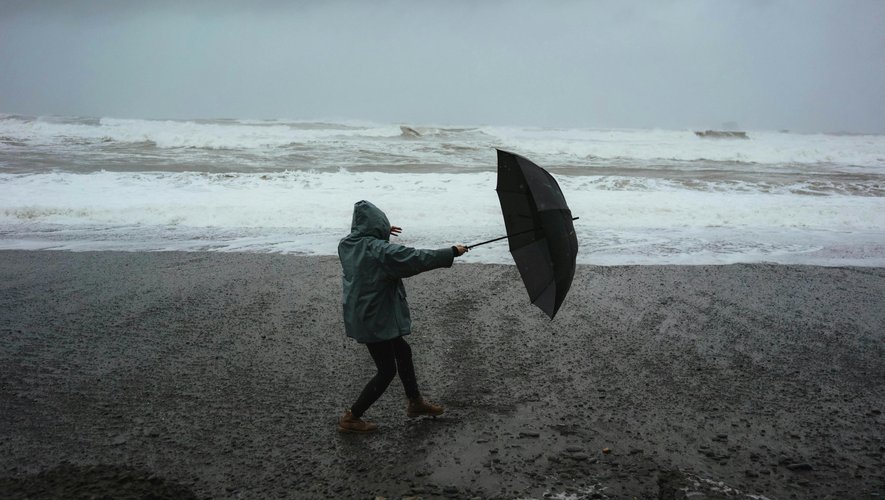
{"x": 507, "y": 236}
{"x": 496, "y": 239}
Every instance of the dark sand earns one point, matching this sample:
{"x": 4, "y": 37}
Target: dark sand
{"x": 223, "y": 375}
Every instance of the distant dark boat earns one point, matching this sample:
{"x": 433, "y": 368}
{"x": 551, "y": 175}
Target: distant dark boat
{"x": 722, "y": 134}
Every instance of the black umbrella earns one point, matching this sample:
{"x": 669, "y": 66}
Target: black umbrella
{"x": 539, "y": 229}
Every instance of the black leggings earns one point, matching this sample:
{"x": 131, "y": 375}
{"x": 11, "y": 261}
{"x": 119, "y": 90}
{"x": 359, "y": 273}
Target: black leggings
{"x": 390, "y": 356}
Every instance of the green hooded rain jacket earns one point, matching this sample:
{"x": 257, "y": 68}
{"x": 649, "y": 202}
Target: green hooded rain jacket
{"x": 375, "y": 307}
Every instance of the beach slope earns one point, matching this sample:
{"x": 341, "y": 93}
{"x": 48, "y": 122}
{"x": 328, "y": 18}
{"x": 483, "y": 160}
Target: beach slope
{"x": 222, "y": 375}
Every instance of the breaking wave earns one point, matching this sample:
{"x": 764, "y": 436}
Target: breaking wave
{"x": 551, "y": 147}
{"x": 643, "y": 196}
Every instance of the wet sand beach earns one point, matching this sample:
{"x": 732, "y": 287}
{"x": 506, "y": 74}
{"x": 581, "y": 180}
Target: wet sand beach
{"x": 222, "y": 375}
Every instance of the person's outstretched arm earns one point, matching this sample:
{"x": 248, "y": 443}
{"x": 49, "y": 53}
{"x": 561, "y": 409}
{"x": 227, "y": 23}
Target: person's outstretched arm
{"x": 401, "y": 261}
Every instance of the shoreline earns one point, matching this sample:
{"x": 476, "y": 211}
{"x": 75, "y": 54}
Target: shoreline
{"x": 224, "y": 373}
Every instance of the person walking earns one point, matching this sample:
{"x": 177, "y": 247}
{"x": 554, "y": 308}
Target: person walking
{"x": 375, "y": 309}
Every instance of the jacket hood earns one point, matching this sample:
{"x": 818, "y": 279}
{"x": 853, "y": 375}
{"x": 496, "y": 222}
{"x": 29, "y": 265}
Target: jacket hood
{"x": 369, "y": 220}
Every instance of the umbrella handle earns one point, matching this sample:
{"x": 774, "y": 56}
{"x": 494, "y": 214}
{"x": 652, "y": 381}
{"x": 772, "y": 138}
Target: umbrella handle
{"x": 470, "y": 247}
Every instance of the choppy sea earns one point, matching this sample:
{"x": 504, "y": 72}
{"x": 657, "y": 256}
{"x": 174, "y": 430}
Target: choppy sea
{"x": 643, "y": 196}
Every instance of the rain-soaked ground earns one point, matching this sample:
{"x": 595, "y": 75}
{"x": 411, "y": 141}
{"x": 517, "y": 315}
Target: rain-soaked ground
{"x": 222, "y": 375}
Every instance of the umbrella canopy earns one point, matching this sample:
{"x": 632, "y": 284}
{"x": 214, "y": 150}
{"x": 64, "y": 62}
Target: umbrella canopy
{"x": 539, "y": 229}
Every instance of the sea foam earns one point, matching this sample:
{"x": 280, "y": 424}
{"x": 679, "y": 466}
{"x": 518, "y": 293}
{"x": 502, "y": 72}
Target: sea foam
{"x": 307, "y": 212}
{"x": 643, "y": 196}
{"x": 550, "y": 147}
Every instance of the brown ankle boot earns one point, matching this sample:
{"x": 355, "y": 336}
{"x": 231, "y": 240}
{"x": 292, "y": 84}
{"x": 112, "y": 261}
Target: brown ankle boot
{"x": 421, "y": 408}
{"x": 348, "y": 423}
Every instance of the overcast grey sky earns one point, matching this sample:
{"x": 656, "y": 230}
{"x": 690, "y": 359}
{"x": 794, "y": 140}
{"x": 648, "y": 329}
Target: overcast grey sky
{"x": 803, "y": 65}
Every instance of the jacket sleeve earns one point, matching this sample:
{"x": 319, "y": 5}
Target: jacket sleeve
{"x": 401, "y": 261}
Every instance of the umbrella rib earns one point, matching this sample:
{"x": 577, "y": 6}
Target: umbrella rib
{"x": 534, "y": 299}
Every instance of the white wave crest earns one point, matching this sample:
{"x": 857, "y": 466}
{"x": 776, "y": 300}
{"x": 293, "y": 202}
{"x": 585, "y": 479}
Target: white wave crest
{"x": 549, "y": 147}
{"x": 182, "y": 134}
{"x": 583, "y": 145}
{"x": 309, "y": 211}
